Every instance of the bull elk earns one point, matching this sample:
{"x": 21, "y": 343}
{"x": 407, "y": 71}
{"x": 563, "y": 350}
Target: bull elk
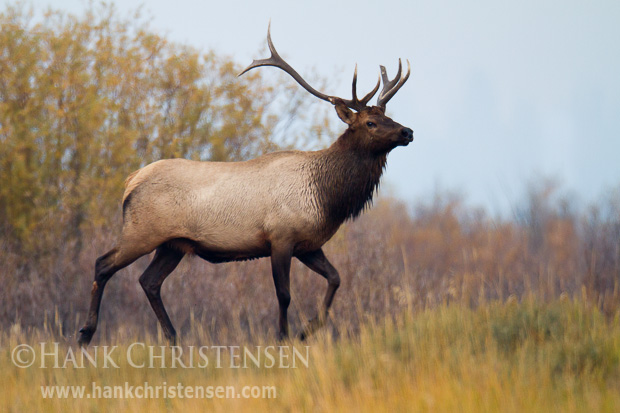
{"x": 280, "y": 205}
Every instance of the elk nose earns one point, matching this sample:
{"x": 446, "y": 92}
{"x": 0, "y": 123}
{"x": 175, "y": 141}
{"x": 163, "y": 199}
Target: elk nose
{"x": 407, "y": 133}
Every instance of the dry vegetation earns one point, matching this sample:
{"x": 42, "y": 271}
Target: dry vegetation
{"x": 560, "y": 356}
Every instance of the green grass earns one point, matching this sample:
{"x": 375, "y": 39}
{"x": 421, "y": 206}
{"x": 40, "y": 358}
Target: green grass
{"x": 559, "y": 356}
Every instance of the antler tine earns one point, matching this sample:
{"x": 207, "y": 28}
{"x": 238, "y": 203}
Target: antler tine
{"x": 390, "y": 87}
{"x": 355, "y": 103}
{"x": 276, "y": 61}
{"x": 354, "y": 86}
{"x": 387, "y": 83}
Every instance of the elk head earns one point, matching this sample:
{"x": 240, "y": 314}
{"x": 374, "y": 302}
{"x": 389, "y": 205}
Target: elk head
{"x": 370, "y": 128}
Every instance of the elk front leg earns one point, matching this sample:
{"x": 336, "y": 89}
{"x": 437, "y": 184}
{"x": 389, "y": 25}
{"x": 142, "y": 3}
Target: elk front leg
{"x": 318, "y": 263}
{"x": 281, "y": 268}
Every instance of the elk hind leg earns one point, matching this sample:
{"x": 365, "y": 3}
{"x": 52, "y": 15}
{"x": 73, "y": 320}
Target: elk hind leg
{"x": 165, "y": 261}
{"x": 105, "y": 267}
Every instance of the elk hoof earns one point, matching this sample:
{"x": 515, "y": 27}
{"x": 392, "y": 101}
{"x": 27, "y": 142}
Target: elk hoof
{"x": 86, "y": 334}
{"x": 312, "y": 326}
{"x": 172, "y": 340}
{"x": 306, "y": 332}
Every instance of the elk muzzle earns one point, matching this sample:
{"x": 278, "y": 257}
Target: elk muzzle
{"x": 406, "y": 136}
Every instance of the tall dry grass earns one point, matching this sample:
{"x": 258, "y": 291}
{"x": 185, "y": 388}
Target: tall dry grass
{"x": 560, "y": 356}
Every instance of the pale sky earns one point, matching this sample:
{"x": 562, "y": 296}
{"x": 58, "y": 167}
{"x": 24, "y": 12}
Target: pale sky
{"x": 500, "y": 94}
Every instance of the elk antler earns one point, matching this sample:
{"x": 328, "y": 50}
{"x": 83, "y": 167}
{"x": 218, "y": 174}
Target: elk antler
{"x": 277, "y": 61}
{"x": 390, "y": 87}
{"x": 359, "y": 104}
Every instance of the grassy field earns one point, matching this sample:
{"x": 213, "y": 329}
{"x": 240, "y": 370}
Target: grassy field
{"x": 510, "y": 356}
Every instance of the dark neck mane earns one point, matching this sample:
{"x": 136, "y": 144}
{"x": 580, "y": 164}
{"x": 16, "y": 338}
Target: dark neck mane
{"x": 347, "y": 178}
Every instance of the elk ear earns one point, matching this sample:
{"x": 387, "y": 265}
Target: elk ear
{"x": 344, "y": 113}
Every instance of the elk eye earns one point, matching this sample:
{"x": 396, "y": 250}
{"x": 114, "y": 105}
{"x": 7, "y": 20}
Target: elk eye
{"x": 371, "y": 124}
